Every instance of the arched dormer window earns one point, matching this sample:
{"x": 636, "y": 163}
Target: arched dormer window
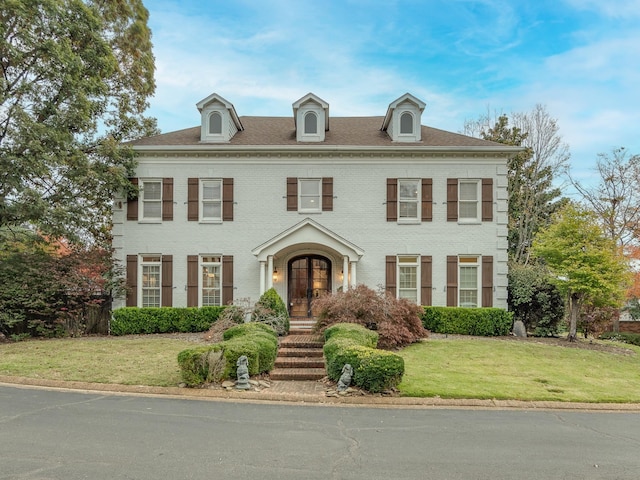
{"x": 310, "y": 123}
{"x": 406, "y": 124}
{"x": 215, "y": 124}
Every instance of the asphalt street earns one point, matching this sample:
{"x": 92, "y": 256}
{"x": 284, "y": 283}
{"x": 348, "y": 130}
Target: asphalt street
{"x": 46, "y": 434}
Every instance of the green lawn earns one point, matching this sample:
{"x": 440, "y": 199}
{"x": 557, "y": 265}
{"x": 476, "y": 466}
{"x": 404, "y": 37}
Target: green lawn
{"x": 454, "y": 367}
{"x": 518, "y": 370}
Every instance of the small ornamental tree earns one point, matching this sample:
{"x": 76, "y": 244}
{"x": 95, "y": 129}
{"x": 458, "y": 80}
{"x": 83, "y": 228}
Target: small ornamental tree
{"x": 397, "y": 321}
{"x": 270, "y": 309}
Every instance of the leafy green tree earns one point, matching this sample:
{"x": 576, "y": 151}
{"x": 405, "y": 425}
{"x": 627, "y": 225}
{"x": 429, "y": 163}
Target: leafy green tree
{"x": 588, "y": 265}
{"x": 75, "y": 77}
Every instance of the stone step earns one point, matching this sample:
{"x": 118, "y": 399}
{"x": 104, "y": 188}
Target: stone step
{"x": 297, "y": 374}
{"x": 299, "y": 362}
{"x": 300, "y": 352}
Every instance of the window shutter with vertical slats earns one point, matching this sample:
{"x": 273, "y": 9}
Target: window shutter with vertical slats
{"x": 167, "y": 281}
{"x": 487, "y": 199}
{"x": 132, "y": 203}
{"x": 167, "y": 199}
{"x": 487, "y": 281}
{"x": 227, "y": 199}
{"x": 192, "y": 280}
{"x": 193, "y": 199}
{"x": 292, "y": 194}
{"x": 452, "y": 199}
{"x": 390, "y": 275}
{"x": 227, "y": 279}
{"x": 132, "y": 281}
{"x": 327, "y": 194}
{"x": 392, "y": 200}
{"x": 452, "y": 281}
{"x": 427, "y": 199}
{"x": 426, "y": 285}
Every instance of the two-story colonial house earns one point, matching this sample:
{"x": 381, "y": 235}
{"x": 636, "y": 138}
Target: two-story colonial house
{"x": 310, "y": 204}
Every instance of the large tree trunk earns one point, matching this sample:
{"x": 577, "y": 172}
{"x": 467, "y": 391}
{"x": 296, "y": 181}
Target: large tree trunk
{"x": 574, "y": 309}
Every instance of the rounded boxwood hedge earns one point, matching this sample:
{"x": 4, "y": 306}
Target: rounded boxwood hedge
{"x": 135, "y": 320}
{"x": 483, "y": 322}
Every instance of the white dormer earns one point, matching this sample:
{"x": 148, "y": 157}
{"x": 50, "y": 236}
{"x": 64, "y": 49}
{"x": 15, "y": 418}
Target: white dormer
{"x": 219, "y": 120}
{"x": 311, "y": 117}
{"x": 403, "y": 119}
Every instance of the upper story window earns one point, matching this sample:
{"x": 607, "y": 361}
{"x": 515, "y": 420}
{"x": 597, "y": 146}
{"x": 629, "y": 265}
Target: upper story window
{"x": 468, "y": 200}
{"x": 406, "y": 124}
{"x": 151, "y": 196}
{"x": 310, "y": 195}
{"x": 215, "y": 123}
{"x": 468, "y": 270}
{"x": 311, "y": 123}
{"x": 211, "y": 200}
{"x": 408, "y": 204}
{"x": 408, "y": 277}
{"x": 150, "y": 280}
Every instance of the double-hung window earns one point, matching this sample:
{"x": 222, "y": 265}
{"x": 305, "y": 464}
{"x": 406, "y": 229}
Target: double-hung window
{"x": 469, "y": 200}
{"x": 408, "y": 201}
{"x": 310, "y": 195}
{"x": 150, "y": 281}
{"x": 210, "y": 281}
{"x": 468, "y": 269}
{"x": 211, "y": 200}
{"x": 408, "y": 276}
{"x": 151, "y": 204}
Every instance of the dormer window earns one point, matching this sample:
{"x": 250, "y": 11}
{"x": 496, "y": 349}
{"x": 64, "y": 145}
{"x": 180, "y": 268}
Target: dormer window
{"x": 215, "y": 123}
{"x": 403, "y": 119}
{"x": 219, "y": 120}
{"x": 406, "y": 124}
{"x": 310, "y": 123}
{"x": 311, "y": 117}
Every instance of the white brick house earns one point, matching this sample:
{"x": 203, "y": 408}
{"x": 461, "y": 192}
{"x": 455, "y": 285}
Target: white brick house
{"x": 311, "y": 204}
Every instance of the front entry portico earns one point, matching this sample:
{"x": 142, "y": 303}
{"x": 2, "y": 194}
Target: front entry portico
{"x": 309, "y": 278}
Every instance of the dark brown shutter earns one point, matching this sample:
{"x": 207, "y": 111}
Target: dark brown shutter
{"x": 192, "y": 280}
{"x": 390, "y": 275}
{"x": 487, "y": 281}
{"x": 427, "y": 199}
{"x": 452, "y": 281}
{"x": 227, "y": 279}
{"x": 487, "y": 199}
{"x": 452, "y": 199}
{"x": 425, "y": 280}
{"x": 167, "y": 199}
{"x": 132, "y": 281}
{"x": 192, "y": 199}
{"x": 327, "y": 194}
{"x": 167, "y": 281}
{"x": 392, "y": 200}
{"x": 132, "y": 203}
{"x": 227, "y": 199}
{"x": 292, "y": 194}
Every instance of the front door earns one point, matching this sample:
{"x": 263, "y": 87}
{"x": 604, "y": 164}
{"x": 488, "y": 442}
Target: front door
{"x": 309, "y": 278}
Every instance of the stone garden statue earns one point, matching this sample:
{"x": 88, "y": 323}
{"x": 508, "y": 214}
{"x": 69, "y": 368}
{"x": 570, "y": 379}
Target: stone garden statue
{"x": 345, "y": 378}
{"x": 243, "y": 373}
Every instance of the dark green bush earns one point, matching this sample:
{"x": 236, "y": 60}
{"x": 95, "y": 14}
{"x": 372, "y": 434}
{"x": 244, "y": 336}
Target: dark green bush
{"x": 134, "y": 320}
{"x": 484, "y": 322}
{"x": 270, "y": 309}
{"x": 624, "y": 337}
{"x": 373, "y": 370}
{"x": 259, "y": 344}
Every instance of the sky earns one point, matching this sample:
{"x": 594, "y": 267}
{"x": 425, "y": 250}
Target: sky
{"x": 580, "y": 59}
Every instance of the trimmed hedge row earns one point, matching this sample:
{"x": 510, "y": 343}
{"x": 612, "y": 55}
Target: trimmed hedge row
{"x": 257, "y": 341}
{"x": 624, "y": 337}
{"x": 373, "y": 370}
{"x": 134, "y": 320}
{"x": 483, "y": 322}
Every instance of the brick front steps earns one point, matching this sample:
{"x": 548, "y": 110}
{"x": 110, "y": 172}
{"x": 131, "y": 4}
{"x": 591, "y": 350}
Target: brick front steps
{"x": 299, "y": 357}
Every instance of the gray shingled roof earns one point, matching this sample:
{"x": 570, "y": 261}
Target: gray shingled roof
{"x": 353, "y": 131}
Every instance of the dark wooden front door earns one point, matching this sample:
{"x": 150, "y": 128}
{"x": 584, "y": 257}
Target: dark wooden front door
{"x": 309, "y": 278}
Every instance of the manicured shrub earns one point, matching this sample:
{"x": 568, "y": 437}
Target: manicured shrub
{"x": 248, "y": 328}
{"x": 134, "y": 320}
{"x": 397, "y": 321}
{"x": 373, "y": 369}
{"x": 624, "y": 337}
{"x": 270, "y": 309}
{"x": 484, "y": 322}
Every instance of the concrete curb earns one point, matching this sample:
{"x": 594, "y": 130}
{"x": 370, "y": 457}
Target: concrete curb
{"x": 308, "y": 393}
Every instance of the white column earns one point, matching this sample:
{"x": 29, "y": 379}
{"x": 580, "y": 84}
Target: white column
{"x": 269, "y": 272}
{"x": 345, "y": 273}
{"x": 353, "y": 274}
{"x": 263, "y": 271}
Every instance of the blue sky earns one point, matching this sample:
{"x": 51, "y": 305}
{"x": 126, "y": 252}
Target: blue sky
{"x": 579, "y": 58}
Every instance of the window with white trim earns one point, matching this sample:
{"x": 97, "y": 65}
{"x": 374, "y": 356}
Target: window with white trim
{"x": 310, "y": 195}
{"x": 151, "y": 200}
{"x": 408, "y": 200}
{"x": 408, "y": 275}
{"x": 211, "y": 200}
{"x": 215, "y": 123}
{"x": 310, "y": 123}
{"x": 406, "y": 124}
{"x": 468, "y": 200}
{"x": 210, "y": 281}
{"x": 468, "y": 272}
{"x": 150, "y": 280}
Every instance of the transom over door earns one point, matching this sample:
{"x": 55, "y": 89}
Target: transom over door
{"x": 309, "y": 278}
